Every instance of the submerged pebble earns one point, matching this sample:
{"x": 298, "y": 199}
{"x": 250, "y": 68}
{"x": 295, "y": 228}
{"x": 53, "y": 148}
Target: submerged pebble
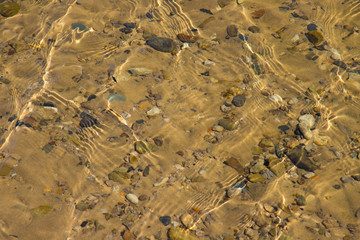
{"x": 165, "y": 220}
{"x": 132, "y": 198}
{"x": 314, "y": 37}
{"x": 40, "y": 211}
{"x": 228, "y": 124}
{"x": 306, "y": 122}
{"x": 238, "y": 100}
{"x": 162, "y": 44}
{"x": 232, "y": 31}
{"x": 9, "y": 9}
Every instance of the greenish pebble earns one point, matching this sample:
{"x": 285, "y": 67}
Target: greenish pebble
{"x": 314, "y": 37}
{"x": 9, "y": 9}
{"x": 82, "y": 206}
{"x": 81, "y": 26}
{"x": 300, "y": 200}
{"x": 118, "y": 175}
{"x": 256, "y": 150}
{"x": 228, "y": 124}
{"x": 5, "y": 170}
{"x": 256, "y": 178}
{"x": 266, "y": 142}
{"x": 180, "y": 234}
{"x": 116, "y": 97}
{"x": 143, "y": 147}
{"x": 223, "y": 3}
{"x": 278, "y": 169}
{"x": 146, "y": 171}
{"x": 40, "y": 211}
{"x": 47, "y": 148}
{"x": 18, "y": 206}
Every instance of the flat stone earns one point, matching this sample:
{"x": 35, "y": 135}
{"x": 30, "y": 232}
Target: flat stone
{"x": 266, "y": 142}
{"x": 5, "y": 170}
{"x": 300, "y": 200}
{"x": 162, "y": 44}
{"x": 278, "y": 169}
{"x": 140, "y": 71}
{"x": 234, "y": 163}
{"x": 298, "y": 157}
{"x": 153, "y": 111}
{"x": 255, "y": 178}
{"x": 40, "y": 211}
{"x": 127, "y": 235}
{"x": 228, "y": 124}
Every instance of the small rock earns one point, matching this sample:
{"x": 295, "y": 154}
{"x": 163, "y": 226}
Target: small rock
{"x": 78, "y": 25}
{"x": 139, "y": 71}
{"x": 217, "y": 128}
{"x": 127, "y": 235}
{"x": 116, "y": 97}
{"x": 258, "y": 14}
{"x": 162, "y": 44}
{"x": 256, "y": 150}
{"x": 335, "y": 55}
{"x": 311, "y": 27}
{"x": 309, "y": 175}
{"x": 253, "y": 234}
{"x": 82, "y": 206}
{"x": 178, "y": 233}
{"x": 47, "y": 148}
{"x": 187, "y": 38}
{"x": 130, "y": 25}
{"x": 165, "y": 220}
{"x": 232, "y": 31}
{"x": 162, "y": 181}
{"x": 187, "y": 220}
{"x": 238, "y": 100}
{"x": 143, "y": 147}
{"x": 256, "y": 178}
{"x": 321, "y": 140}
{"x": 311, "y": 56}
{"x": 5, "y": 170}
{"x": 9, "y": 9}
{"x": 228, "y": 124}
{"x": 298, "y": 157}
{"x": 266, "y": 142}
{"x": 146, "y": 171}
{"x": 269, "y": 208}
{"x": 278, "y": 169}
{"x": 132, "y": 198}
{"x": 153, "y": 111}
{"x": 330, "y": 223}
{"x": 254, "y": 29}
{"x": 234, "y": 163}
{"x": 300, "y": 200}
{"x": 314, "y": 37}
{"x": 306, "y": 122}
{"x": 40, "y": 211}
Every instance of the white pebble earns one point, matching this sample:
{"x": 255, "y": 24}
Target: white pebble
{"x": 153, "y": 111}
{"x": 164, "y": 180}
{"x": 132, "y": 198}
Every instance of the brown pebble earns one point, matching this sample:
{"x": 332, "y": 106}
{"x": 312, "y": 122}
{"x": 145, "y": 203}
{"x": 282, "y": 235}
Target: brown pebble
{"x": 258, "y": 14}
{"x": 127, "y": 235}
{"x": 180, "y": 153}
{"x": 232, "y": 31}
{"x": 187, "y": 38}
{"x": 143, "y": 197}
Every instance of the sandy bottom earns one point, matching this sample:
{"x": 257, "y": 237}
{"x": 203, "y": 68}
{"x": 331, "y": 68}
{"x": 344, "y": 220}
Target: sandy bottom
{"x": 179, "y": 120}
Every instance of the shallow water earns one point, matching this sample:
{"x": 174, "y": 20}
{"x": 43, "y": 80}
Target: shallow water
{"x": 80, "y": 90}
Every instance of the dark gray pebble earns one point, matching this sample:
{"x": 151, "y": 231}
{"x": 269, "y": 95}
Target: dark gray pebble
{"x": 356, "y": 177}
{"x": 158, "y": 141}
{"x": 165, "y": 220}
{"x": 311, "y": 27}
{"x": 300, "y": 200}
{"x": 126, "y": 30}
{"x": 162, "y": 44}
{"x": 130, "y": 25}
{"x": 78, "y": 25}
{"x": 238, "y": 100}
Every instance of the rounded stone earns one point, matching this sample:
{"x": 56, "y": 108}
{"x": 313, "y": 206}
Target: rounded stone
{"x": 162, "y": 44}
{"x": 238, "y": 100}
{"x": 132, "y": 198}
